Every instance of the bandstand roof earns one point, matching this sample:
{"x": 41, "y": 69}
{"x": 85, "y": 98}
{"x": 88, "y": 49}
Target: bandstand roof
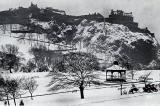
{"x": 116, "y": 68}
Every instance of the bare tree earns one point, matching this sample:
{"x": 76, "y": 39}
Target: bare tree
{"x": 43, "y": 58}
{"x": 31, "y": 85}
{"x": 129, "y": 64}
{"x": 10, "y": 88}
{"x": 10, "y": 57}
{"x": 77, "y": 71}
{"x": 134, "y": 69}
{"x": 29, "y": 67}
{"x": 10, "y": 49}
{"x": 145, "y": 78}
{"x": 3, "y": 90}
{"x": 132, "y": 73}
{"x": 14, "y": 89}
{"x": 39, "y": 54}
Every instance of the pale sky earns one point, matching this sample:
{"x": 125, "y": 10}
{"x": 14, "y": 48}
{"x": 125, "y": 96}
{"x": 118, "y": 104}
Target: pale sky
{"x": 146, "y": 12}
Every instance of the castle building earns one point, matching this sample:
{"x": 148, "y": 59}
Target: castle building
{"x": 120, "y": 17}
{"x": 127, "y": 19}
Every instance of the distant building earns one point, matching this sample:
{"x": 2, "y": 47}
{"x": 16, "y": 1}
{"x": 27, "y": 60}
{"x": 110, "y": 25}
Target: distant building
{"x": 120, "y": 17}
{"x": 127, "y": 19}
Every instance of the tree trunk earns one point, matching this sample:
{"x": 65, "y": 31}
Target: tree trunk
{"x": 8, "y": 101}
{"x": 121, "y": 89}
{"x": 82, "y": 93}
{"x": 10, "y": 70}
{"x": 81, "y": 90}
{"x": 2, "y": 62}
{"x": 31, "y": 96}
{"x": 14, "y": 100}
{"x": 132, "y": 74}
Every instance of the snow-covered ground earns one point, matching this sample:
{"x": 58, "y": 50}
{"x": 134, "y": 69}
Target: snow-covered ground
{"x": 25, "y": 45}
{"x": 94, "y": 95}
{"x": 29, "y": 41}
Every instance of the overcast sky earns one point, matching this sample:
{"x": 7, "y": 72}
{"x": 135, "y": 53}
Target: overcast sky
{"x": 146, "y": 12}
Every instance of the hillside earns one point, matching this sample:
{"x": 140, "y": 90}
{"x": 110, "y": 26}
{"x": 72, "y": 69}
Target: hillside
{"x": 117, "y": 42}
{"x": 109, "y": 42}
{"x": 49, "y": 58}
{"x": 23, "y": 15}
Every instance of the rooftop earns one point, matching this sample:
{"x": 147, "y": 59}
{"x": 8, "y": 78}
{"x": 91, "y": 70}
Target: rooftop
{"x": 115, "y": 67}
{"x": 121, "y": 13}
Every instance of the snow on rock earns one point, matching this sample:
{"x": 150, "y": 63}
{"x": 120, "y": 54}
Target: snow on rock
{"x": 44, "y": 25}
{"x": 113, "y": 32}
{"x": 110, "y": 39}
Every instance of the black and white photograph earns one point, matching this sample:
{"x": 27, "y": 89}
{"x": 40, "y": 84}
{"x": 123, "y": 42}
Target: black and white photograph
{"x": 79, "y": 53}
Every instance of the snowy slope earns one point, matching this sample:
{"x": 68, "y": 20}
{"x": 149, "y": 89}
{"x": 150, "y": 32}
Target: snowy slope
{"x": 106, "y": 42}
{"x": 113, "y": 40}
{"x": 24, "y": 45}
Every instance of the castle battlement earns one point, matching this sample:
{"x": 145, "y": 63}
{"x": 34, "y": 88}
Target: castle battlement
{"x": 121, "y": 13}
